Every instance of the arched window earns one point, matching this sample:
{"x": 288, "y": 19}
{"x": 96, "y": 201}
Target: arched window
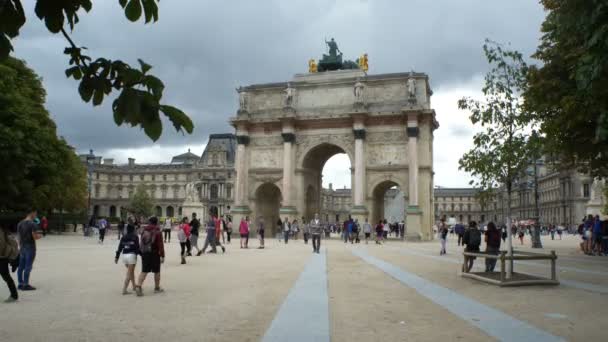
{"x": 170, "y": 212}
{"x": 112, "y": 211}
{"x": 158, "y": 211}
{"x": 215, "y": 159}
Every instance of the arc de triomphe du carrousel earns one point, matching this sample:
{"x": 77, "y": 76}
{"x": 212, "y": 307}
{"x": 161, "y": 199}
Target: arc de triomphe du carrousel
{"x": 286, "y": 131}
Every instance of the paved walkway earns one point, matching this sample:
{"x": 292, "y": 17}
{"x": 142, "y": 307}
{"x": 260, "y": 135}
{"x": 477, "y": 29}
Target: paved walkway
{"x": 394, "y": 292}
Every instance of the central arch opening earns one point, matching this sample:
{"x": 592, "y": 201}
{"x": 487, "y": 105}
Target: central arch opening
{"x": 327, "y": 183}
{"x": 268, "y": 201}
{"x": 389, "y": 203}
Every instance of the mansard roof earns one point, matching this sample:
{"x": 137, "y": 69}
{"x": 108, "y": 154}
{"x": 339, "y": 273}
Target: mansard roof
{"x": 185, "y": 158}
{"x": 224, "y": 142}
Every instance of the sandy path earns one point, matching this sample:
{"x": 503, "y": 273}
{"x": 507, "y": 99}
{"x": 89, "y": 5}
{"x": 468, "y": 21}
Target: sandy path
{"x": 367, "y": 305}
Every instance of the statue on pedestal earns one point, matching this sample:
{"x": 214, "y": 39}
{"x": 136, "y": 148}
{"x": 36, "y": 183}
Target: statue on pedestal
{"x": 411, "y": 87}
{"x": 359, "y": 90}
{"x": 289, "y": 95}
{"x": 191, "y": 192}
{"x": 243, "y": 97}
{"x": 333, "y": 61}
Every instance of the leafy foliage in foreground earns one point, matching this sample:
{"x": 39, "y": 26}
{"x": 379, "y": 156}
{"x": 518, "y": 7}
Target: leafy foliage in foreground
{"x": 140, "y": 93}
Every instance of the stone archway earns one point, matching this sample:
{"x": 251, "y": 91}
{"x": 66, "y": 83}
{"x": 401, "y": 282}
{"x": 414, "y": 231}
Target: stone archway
{"x": 379, "y": 197}
{"x": 310, "y": 178}
{"x": 267, "y": 204}
{"x": 384, "y": 123}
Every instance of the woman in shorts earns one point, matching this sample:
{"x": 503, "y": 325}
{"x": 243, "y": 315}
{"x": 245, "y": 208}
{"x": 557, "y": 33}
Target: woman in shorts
{"x": 129, "y": 247}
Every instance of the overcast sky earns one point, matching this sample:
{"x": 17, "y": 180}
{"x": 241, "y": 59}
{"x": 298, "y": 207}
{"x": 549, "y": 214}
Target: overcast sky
{"x": 204, "y": 49}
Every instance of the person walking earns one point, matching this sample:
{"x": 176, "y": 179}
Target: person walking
{"x": 316, "y": 229}
{"x": 9, "y": 256}
{"x": 152, "y": 251}
{"x": 44, "y": 225}
{"x": 472, "y": 240}
{"x": 385, "y": 229}
{"x": 443, "y": 235}
{"x": 129, "y": 247}
{"x": 28, "y": 234}
{"x": 379, "y": 233}
{"x": 459, "y": 230}
{"x": 244, "y": 232}
{"x": 492, "y": 245}
{"x": 597, "y": 235}
{"x": 121, "y": 229}
{"x": 223, "y": 229}
{"x": 183, "y": 235}
{"x": 167, "y": 230}
{"x": 229, "y": 229}
{"x": 192, "y": 242}
{"x": 210, "y": 227}
{"x": 103, "y": 224}
{"x": 520, "y": 234}
{"x": 367, "y": 230}
{"x": 279, "y": 230}
{"x": 286, "y": 229}
{"x": 305, "y": 230}
{"x": 261, "y": 232}
{"x": 219, "y": 232}
{"x": 295, "y": 228}
{"x": 345, "y": 230}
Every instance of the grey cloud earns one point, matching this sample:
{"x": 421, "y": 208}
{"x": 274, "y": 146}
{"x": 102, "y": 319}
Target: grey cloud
{"x": 204, "y": 49}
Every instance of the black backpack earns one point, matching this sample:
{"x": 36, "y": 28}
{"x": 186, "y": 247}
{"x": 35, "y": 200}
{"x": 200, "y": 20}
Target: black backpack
{"x": 474, "y": 238}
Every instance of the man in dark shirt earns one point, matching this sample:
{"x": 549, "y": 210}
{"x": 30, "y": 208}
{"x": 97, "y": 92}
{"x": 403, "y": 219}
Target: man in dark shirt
{"x": 28, "y": 234}
{"x": 195, "y": 224}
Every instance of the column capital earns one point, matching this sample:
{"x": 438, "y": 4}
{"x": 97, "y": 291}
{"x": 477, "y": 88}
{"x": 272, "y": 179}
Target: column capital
{"x": 412, "y": 132}
{"x": 242, "y": 140}
{"x": 289, "y": 137}
{"x": 359, "y": 133}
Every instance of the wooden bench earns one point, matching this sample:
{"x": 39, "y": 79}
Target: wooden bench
{"x": 516, "y": 279}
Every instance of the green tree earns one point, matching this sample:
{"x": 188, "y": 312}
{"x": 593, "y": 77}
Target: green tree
{"x": 140, "y": 93}
{"x": 38, "y": 168}
{"x": 568, "y": 94}
{"x": 500, "y": 151}
{"x": 141, "y": 202}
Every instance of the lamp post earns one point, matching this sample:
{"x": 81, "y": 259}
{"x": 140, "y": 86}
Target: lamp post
{"x": 90, "y": 164}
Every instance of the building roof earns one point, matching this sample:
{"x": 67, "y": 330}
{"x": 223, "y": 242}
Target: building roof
{"x": 449, "y": 192}
{"x": 225, "y": 142}
{"x": 185, "y": 158}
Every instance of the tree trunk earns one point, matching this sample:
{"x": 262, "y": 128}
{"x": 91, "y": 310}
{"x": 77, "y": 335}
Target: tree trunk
{"x": 509, "y": 235}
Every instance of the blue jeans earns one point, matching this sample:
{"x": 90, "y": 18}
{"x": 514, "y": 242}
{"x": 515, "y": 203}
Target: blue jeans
{"x": 26, "y": 260}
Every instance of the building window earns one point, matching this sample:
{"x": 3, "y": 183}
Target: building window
{"x": 96, "y": 175}
{"x": 215, "y": 159}
{"x": 213, "y": 191}
{"x": 164, "y": 177}
{"x": 585, "y": 190}
{"x": 153, "y": 177}
{"x": 229, "y": 175}
{"x": 229, "y": 192}
{"x": 200, "y": 175}
{"x": 131, "y": 177}
{"x": 141, "y": 177}
{"x": 452, "y": 207}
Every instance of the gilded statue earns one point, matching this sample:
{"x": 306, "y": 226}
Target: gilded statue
{"x": 312, "y": 66}
{"x": 362, "y": 61}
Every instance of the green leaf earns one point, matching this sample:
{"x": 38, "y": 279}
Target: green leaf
{"x": 155, "y": 85}
{"x": 85, "y": 90}
{"x": 144, "y": 66}
{"x": 122, "y": 3}
{"x": 133, "y": 10}
{"x": 97, "y": 97}
{"x": 179, "y": 119}
{"x": 153, "y": 128}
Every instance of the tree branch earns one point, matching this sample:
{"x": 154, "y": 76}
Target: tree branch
{"x": 67, "y": 37}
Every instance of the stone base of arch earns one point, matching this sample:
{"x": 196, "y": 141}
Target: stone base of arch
{"x": 290, "y": 211}
{"x": 413, "y": 223}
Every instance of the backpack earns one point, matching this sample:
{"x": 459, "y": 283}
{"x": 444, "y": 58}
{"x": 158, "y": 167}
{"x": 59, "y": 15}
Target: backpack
{"x": 475, "y": 238}
{"x": 147, "y": 241}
